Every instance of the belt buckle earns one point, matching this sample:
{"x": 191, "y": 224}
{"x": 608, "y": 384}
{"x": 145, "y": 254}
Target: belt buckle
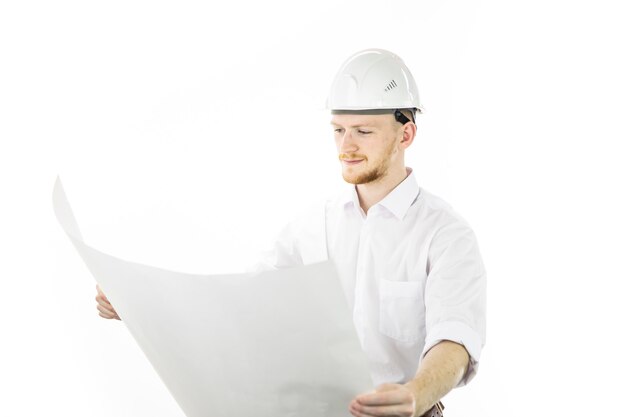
{"x": 435, "y": 411}
{"x": 439, "y": 406}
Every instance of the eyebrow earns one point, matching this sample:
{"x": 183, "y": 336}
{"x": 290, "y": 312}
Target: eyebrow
{"x": 356, "y": 125}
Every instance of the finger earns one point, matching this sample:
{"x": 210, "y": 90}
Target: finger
{"x": 402, "y": 410}
{"x": 105, "y": 315}
{"x": 100, "y": 292}
{"x": 353, "y": 407}
{"x": 356, "y": 413}
{"x": 104, "y": 303}
{"x": 100, "y": 298}
{"x": 106, "y": 311}
{"x": 100, "y": 295}
{"x": 396, "y": 396}
{"x": 108, "y": 316}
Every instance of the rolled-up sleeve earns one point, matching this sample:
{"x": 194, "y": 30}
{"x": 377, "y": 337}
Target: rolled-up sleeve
{"x": 455, "y": 293}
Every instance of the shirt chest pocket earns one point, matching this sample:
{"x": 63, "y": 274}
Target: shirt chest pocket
{"x": 401, "y": 311}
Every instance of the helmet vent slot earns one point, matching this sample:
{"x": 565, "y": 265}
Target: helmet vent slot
{"x": 391, "y": 85}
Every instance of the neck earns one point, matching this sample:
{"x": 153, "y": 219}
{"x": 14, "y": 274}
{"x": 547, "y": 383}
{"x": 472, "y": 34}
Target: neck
{"x": 372, "y": 192}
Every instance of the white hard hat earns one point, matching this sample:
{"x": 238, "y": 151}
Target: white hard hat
{"x": 373, "y": 79}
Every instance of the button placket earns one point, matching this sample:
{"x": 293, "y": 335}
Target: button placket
{"x": 361, "y": 273}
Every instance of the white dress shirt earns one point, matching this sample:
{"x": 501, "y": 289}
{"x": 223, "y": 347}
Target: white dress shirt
{"x": 411, "y": 271}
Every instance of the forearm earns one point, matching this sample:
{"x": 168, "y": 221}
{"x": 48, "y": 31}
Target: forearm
{"x": 440, "y": 371}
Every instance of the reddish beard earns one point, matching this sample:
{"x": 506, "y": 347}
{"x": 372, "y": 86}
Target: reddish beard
{"x": 368, "y": 176}
{"x": 373, "y": 174}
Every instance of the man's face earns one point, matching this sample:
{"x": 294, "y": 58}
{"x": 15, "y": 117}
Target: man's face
{"x": 367, "y": 145}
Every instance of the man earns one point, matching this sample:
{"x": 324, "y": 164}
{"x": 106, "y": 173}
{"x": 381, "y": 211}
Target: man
{"x": 408, "y": 263}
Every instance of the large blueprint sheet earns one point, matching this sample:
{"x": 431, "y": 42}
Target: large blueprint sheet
{"x": 273, "y": 344}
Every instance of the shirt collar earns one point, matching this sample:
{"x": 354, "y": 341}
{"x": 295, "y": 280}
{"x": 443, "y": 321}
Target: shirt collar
{"x": 350, "y": 197}
{"x": 397, "y": 201}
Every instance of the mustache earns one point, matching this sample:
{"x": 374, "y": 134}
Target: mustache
{"x": 351, "y": 156}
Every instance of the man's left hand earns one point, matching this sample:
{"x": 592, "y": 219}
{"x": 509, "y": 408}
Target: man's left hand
{"x": 387, "y": 400}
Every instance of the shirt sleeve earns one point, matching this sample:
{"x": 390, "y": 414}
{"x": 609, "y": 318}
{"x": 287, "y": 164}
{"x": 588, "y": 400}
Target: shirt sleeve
{"x": 281, "y": 253}
{"x": 301, "y": 242}
{"x": 455, "y": 293}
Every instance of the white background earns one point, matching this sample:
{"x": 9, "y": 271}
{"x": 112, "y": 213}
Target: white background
{"x": 187, "y": 133}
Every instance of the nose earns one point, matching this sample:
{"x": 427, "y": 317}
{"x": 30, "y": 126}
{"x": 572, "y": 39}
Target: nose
{"x": 346, "y": 143}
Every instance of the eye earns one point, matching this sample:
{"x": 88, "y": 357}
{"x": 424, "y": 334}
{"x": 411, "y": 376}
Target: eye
{"x": 338, "y": 130}
{"x": 363, "y": 132}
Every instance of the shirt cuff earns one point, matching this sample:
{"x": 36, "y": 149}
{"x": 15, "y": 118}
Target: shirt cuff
{"x": 460, "y": 333}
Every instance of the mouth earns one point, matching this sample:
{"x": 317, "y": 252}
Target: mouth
{"x": 352, "y": 161}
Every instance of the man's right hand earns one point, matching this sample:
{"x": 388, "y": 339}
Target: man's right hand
{"x": 105, "y": 308}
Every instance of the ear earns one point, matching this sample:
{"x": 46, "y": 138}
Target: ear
{"x": 408, "y": 134}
